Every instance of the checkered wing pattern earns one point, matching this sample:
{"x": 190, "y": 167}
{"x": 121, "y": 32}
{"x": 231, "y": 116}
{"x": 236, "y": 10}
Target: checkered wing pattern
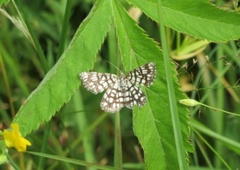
{"x": 121, "y": 91}
{"x": 143, "y": 75}
{"x": 134, "y": 96}
{"x": 113, "y": 99}
{"x": 97, "y": 82}
{"x": 119, "y": 96}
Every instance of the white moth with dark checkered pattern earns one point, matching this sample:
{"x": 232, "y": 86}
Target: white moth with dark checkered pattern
{"x": 123, "y": 90}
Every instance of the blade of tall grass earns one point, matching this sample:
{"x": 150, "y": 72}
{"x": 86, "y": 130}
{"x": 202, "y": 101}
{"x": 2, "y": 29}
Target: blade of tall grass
{"x": 235, "y": 146}
{"x": 74, "y": 161}
{"x": 172, "y": 99}
{"x": 7, "y": 87}
{"x": 117, "y": 143}
{"x": 15, "y": 70}
{"x": 82, "y": 126}
{"x": 219, "y": 118}
{"x": 212, "y": 149}
{"x": 65, "y": 26}
{"x": 32, "y": 37}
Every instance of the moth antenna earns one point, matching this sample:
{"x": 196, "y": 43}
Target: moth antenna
{"x": 118, "y": 70}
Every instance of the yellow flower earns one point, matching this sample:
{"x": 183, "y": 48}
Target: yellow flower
{"x": 14, "y": 138}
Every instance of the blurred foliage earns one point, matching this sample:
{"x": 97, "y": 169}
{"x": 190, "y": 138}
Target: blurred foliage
{"x": 209, "y": 75}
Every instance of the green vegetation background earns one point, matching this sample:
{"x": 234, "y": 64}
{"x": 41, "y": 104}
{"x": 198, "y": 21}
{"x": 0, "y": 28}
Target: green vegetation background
{"x": 43, "y": 50}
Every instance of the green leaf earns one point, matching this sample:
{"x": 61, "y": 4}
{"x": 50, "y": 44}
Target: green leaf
{"x": 198, "y": 18}
{"x": 63, "y": 79}
{"x": 152, "y": 122}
